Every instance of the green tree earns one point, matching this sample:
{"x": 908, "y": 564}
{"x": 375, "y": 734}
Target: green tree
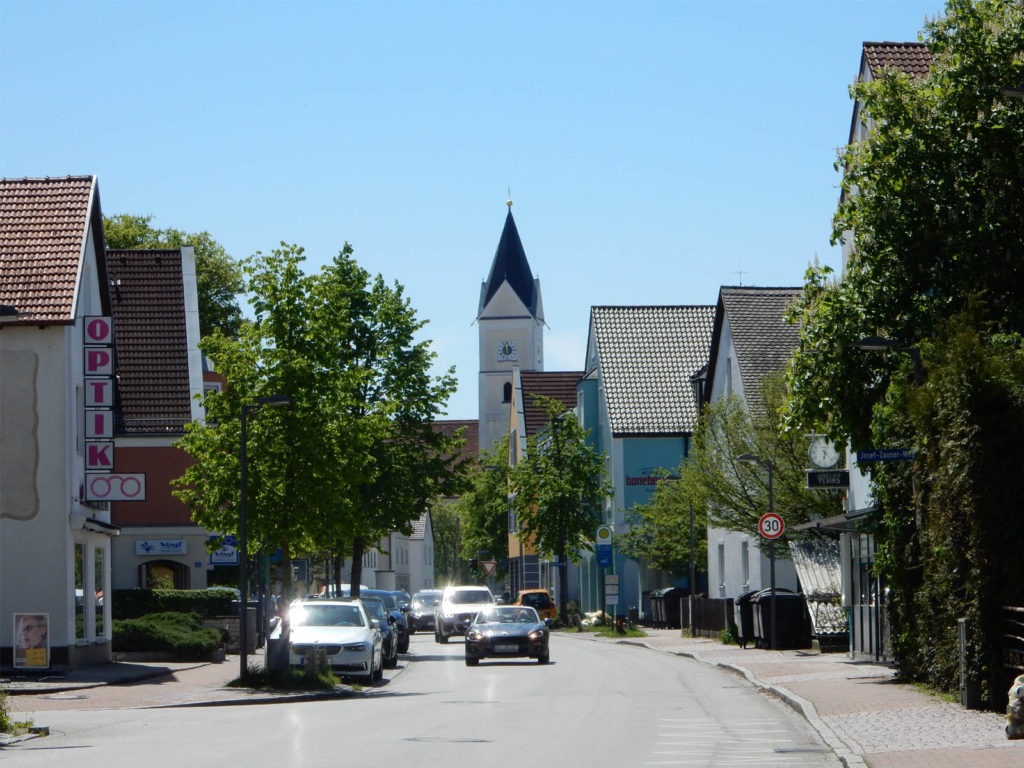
{"x": 559, "y": 486}
{"x": 725, "y": 492}
{"x": 219, "y": 277}
{"x": 355, "y": 455}
{"x": 484, "y": 507}
{"x": 933, "y": 209}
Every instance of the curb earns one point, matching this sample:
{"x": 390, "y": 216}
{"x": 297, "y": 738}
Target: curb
{"x": 806, "y": 709}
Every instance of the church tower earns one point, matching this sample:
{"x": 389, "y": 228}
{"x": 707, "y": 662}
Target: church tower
{"x": 510, "y": 320}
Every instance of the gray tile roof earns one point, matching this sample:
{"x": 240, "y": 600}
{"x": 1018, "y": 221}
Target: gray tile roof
{"x": 44, "y": 223}
{"x": 763, "y": 341}
{"x": 148, "y": 307}
{"x": 646, "y": 356}
{"x": 419, "y": 527}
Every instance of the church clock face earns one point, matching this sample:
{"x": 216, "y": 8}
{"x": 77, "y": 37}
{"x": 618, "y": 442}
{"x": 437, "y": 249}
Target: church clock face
{"x": 508, "y": 351}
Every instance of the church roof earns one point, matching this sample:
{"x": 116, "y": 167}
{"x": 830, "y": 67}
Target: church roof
{"x": 510, "y": 265}
{"x": 646, "y": 356}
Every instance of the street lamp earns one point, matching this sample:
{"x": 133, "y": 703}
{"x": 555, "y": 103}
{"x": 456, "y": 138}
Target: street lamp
{"x": 749, "y": 458}
{"x": 878, "y": 343}
{"x": 271, "y": 401}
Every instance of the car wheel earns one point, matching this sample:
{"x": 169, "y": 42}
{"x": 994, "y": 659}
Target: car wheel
{"x": 403, "y": 647}
{"x": 470, "y": 662}
{"x": 544, "y": 658}
{"x": 444, "y": 639}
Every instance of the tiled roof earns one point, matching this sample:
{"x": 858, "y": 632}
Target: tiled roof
{"x": 148, "y": 307}
{"x": 419, "y": 527}
{"x": 912, "y": 59}
{"x": 646, "y": 357}
{"x": 43, "y": 227}
{"x": 471, "y": 450}
{"x": 763, "y": 341}
{"x": 558, "y": 385}
{"x": 510, "y": 265}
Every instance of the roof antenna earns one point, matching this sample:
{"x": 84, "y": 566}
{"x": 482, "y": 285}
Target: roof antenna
{"x": 509, "y": 202}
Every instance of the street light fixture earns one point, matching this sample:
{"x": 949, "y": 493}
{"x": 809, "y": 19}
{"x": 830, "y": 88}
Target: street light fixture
{"x": 749, "y": 458}
{"x": 271, "y": 401}
{"x": 878, "y": 343}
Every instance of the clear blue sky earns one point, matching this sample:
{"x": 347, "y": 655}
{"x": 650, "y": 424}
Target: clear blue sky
{"x": 655, "y": 151}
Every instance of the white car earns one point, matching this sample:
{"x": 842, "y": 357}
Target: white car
{"x": 342, "y": 631}
{"x": 458, "y": 607}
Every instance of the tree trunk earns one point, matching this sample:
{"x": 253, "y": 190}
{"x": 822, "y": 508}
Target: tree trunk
{"x": 357, "y": 565}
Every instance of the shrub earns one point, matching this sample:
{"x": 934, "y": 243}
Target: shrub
{"x": 134, "y": 603}
{"x": 180, "y": 635}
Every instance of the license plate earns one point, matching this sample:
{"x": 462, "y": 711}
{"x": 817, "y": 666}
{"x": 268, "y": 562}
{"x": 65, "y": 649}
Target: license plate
{"x": 506, "y": 648}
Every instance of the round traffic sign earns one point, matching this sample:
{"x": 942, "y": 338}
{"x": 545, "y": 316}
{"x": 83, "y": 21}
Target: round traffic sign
{"x": 771, "y": 525}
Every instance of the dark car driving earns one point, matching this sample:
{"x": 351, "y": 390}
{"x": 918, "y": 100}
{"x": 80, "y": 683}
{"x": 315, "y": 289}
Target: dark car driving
{"x": 421, "y": 610}
{"x": 507, "y": 631}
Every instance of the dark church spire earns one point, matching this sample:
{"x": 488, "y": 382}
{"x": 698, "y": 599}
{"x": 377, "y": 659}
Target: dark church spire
{"x": 510, "y": 265}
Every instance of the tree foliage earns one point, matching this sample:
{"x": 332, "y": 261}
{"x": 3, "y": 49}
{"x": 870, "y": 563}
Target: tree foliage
{"x": 933, "y": 209}
{"x": 727, "y": 493}
{"x": 559, "y": 485}
{"x": 484, "y": 507}
{"x": 355, "y": 455}
{"x": 219, "y": 277}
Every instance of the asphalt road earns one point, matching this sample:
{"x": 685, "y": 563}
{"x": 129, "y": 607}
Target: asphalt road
{"x": 596, "y": 704}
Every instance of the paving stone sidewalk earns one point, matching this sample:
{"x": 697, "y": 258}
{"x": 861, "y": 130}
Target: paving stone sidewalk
{"x": 858, "y": 708}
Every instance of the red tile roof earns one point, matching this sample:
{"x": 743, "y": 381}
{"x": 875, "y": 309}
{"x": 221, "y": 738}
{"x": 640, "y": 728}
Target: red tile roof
{"x": 147, "y": 297}
{"x": 912, "y": 59}
{"x": 43, "y": 227}
{"x": 558, "y": 385}
{"x": 471, "y": 450}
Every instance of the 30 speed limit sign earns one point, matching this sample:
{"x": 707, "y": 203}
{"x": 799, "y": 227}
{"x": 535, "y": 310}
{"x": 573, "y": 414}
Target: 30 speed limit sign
{"x": 771, "y": 525}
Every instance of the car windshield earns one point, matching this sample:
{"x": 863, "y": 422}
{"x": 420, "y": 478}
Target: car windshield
{"x": 537, "y": 599}
{"x": 507, "y": 615}
{"x": 308, "y": 615}
{"x": 472, "y": 597}
{"x": 386, "y": 597}
{"x": 375, "y": 607}
{"x": 426, "y": 601}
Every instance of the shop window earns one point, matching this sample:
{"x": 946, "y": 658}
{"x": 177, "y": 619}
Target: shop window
{"x": 79, "y": 591}
{"x": 98, "y": 571}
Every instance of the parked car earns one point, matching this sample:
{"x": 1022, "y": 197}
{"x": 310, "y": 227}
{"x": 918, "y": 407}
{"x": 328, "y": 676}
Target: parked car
{"x": 507, "y": 631}
{"x": 421, "y": 610}
{"x": 404, "y": 598}
{"x": 388, "y": 629}
{"x": 401, "y": 621}
{"x": 458, "y": 607}
{"x": 541, "y": 600}
{"x": 343, "y": 631}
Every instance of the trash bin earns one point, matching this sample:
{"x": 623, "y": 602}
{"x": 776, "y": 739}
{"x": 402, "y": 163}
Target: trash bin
{"x": 743, "y": 610}
{"x": 657, "y": 609}
{"x": 665, "y": 604}
{"x": 792, "y": 623}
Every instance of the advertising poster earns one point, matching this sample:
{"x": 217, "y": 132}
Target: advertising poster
{"x": 31, "y": 640}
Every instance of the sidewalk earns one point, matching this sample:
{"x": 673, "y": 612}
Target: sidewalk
{"x": 857, "y": 708}
{"x": 866, "y": 718}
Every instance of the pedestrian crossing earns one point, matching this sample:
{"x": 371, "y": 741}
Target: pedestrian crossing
{"x": 706, "y": 743}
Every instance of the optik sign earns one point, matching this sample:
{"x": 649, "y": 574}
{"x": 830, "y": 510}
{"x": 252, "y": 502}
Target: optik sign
{"x": 101, "y": 482}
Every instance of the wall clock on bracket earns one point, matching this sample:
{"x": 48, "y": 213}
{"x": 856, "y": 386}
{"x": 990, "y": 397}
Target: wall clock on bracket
{"x": 508, "y": 351}
{"x": 822, "y": 452}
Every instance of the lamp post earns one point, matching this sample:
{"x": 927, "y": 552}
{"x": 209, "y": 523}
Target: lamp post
{"x": 272, "y": 401}
{"x": 749, "y": 458}
{"x": 878, "y": 343}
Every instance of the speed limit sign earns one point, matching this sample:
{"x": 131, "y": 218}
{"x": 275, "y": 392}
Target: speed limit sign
{"x": 771, "y": 525}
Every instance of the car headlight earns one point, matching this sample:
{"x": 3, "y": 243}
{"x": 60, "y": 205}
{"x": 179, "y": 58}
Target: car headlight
{"x": 537, "y": 634}
{"x": 356, "y": 647}
{"x": 474, "y": 634}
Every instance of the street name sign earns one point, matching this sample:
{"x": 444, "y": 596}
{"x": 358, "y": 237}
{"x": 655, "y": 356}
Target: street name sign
{"x": 885, "y": 454}
{"x": 828, "y": 478}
